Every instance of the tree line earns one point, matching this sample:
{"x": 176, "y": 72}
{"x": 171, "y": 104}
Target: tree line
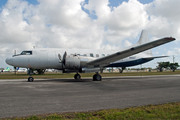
{"x": 167, "y": 65}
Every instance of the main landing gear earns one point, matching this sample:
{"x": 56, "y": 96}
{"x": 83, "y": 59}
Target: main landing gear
{"x": 30, "y": 79}
{"x": 96, "y": 77}
{"x": 77, "y": 76}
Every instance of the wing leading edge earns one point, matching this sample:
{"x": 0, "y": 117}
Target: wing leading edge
{"x": 128, "y": 52}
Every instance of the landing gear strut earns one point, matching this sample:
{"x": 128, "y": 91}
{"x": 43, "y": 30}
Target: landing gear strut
{"x": 77, "y": 76}
{"x": 97, "y": 77}
{"x": 30, "y": 79}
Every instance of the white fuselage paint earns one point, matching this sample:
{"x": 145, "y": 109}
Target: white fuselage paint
{"x": 48, "y": 58}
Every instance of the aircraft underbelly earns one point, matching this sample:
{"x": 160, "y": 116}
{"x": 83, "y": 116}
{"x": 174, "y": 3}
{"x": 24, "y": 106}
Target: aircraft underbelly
{"x": 129, "y": 63}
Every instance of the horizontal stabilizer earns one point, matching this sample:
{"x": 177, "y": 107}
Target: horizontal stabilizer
{"x": 155, "y": 57}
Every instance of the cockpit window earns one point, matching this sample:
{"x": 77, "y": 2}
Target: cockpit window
{"x": 26, "y": 53}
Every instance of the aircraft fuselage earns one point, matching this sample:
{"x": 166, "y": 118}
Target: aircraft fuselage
{"x": 48, "y": 58}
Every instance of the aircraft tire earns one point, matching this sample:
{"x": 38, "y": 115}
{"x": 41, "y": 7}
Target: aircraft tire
{"x": 94, "y": 77}
{"x": 97, "y": 77}
{"x": 77, "y": 76}
{"x": 30, "y": 79}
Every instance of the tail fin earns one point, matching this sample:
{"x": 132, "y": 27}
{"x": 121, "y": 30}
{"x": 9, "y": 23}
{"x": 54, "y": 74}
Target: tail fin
{"x": 144, "y": 38}
{"x": 8, "y": 69}
{"x": 17, "y": 68}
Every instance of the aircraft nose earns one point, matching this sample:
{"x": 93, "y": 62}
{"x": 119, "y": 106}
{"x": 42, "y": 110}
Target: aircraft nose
{"x": 9, "y": 61}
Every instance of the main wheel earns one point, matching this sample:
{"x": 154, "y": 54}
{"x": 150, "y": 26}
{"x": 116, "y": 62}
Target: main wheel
{"x": 97, "y": 77}
{"x": 77, "y": 76}
{"x": 30, "y": 79}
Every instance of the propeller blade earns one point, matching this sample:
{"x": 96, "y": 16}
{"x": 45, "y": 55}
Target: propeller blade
{"x": 59, "y": 56}
{"x": 64, "y": 58}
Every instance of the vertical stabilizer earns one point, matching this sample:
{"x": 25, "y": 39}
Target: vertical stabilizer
{"x": 144, "y": 38}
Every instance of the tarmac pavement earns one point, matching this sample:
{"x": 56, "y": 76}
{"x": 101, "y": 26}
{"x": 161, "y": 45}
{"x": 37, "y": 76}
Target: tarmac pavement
{"x": 21, "y": 98}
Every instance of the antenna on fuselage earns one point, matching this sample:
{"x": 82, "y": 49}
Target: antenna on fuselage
{"x": 14, "y": 52}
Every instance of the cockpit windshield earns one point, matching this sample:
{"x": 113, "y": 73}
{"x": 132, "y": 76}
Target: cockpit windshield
{"x": 26, "y": 53}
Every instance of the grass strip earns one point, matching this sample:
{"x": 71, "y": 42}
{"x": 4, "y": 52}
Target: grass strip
{"x": 169, "y": 111}
{"x": 71, "y": 75}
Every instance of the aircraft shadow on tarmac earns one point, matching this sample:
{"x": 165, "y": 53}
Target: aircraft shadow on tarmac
{"x": 63, "y": 80}
{"x": 85, "y": 79}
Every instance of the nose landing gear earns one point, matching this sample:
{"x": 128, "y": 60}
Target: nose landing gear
{"x": 30, "y": 79}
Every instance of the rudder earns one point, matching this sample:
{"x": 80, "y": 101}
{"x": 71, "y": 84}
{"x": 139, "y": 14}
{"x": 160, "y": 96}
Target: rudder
{"x": 144, "y": 38}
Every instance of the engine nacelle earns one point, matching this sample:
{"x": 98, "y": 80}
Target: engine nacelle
{"x": 77, "y": 62}
{"x": 72, "y": 62}
{"x": 90, "y": 70}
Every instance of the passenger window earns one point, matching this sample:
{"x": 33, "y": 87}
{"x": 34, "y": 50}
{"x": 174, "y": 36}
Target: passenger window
{"x": 103, "y": 55}
{"x": 85, "y": 55}
{"x": 97, "y": 55}
{"x": 91, "y": 55}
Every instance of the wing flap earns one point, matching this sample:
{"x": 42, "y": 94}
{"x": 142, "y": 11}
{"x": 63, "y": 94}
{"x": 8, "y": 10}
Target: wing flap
{"x": 128, "y": 52}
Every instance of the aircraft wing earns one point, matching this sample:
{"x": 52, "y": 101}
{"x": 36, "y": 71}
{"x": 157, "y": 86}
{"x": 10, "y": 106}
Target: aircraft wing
{"x": 128, "y": 52}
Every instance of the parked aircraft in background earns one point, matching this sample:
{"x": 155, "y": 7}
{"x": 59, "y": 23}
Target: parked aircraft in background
{"x": 16, "y": 69}
{"x": 1, "y": 70}
{"x": 87, "y": 60}
{"x": 7, "y": 69}
{"x": 21, "y": 70}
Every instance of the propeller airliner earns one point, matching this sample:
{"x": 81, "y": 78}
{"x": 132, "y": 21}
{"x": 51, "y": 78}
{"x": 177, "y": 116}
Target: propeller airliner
{"x": 87, "y": 60}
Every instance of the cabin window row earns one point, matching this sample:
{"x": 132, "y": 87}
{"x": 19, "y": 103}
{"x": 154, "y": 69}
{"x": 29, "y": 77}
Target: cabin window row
{"x": 92, "y": 55}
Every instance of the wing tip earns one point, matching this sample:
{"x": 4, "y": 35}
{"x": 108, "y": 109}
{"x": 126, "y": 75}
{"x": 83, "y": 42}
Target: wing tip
{"x": 170, "y": 38}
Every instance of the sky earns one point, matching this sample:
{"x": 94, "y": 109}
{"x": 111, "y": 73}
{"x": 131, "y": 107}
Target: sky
{"x": 92, "y": 24}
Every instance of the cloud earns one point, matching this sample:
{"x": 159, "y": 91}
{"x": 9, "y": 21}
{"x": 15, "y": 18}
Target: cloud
{"x": 167, "y": 9}
{"x": 121, "y": 22}
{"x": 127, "y": 43}
{"x": 176, "y": 51}
{"x": 163, "y": 18}
{"x": 64, "y": 24}
{"x": 64, "y": 13}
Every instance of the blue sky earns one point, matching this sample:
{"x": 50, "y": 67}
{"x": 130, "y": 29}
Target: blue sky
{"x": 59, "y": 27}
{"x": 113, "y": 2}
